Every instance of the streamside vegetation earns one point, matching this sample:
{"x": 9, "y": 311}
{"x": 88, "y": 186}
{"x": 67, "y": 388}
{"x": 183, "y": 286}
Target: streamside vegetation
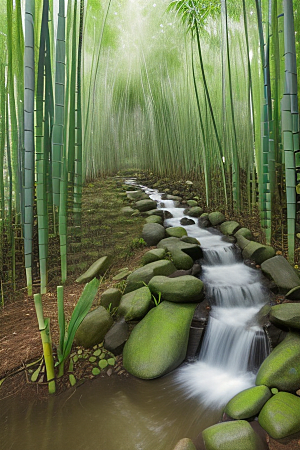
{"x": 203, "y": 91}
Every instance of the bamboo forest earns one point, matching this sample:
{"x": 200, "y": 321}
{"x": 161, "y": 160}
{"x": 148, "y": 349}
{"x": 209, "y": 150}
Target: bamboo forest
{"x": 150, "y": 224}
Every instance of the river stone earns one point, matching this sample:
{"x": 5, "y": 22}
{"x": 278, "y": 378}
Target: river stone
{"x": 230, "y": 239}
{"x": 153, "y": 233}
{"x": 153, "y": 255}
{"x": 116, "y": 337}
{"x": 258, "y": 252}
{"x": 203, "y": 222}
{"x": 248, "y": 403}
{"x": 281, "y": 272}
{"x": 192, "y": 203}
{"x": 286, "y": 314}
{"x": 245, "y": 232}
{"x": 216, "y": 218}
{"x": 185, "y": 289}
{"x": 93, "y": 328}
{"x": 242, "y": 242}
{"x": 195, "y": 211}
{"x": 176, "y": 232}
{"x": 154, "y": 219}
{"x": 185, "y": 221}
{"x": 98, "y": 268}
{"x": 181, "y": 260}
{"x": 281, "y": 369}
{"x": 135, "y": 304}
{"x": 175, "y": 198}
{"x": 111, "y": 296}
{"x": 185, "y": 444}
{"x": 158, "y": 343}
{"x": 190, "y": 240}
{"x": 137, "y": 195}
{"x": 235, "y": 435}
{"x": 155, "y": 212}
{"x": 145, "y": 205}
{"x": 229, "y": 227}
{"x": 280, "y": 416}
{"x": 127, "y": 210}
{"x": 193, "y": 250}
{"x": 144, "y": 274}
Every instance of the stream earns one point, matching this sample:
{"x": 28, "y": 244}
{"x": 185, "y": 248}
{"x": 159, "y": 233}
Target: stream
{"x": 127, "y": 413}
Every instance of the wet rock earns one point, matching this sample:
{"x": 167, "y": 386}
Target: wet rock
{"x": 168, "y": 215}
{"x": 203, "y": 222}
{"x": 281, "y": 272}
{"x": 258, "y": 252}
{"x": 185, "y": 444}
{"x": 230, "y": 239}
{"x": 185, "y": 289}
{"x": 248, "y": 403}
{"x": 286, "y": 314}
{"x": 153, "y": 233}
{"x": 216, "y": 218}
{"x": 245, "y": 232}
{"x": 135, "y": 304}
{"x": 144, "y": 274}
{"x": 176, "y": 232}
{"x": 193, "y": 250}
{"x": 145, "y": 205}
{"x": 111, "y": 296}
{"x": 229, "y": 227}
{"x": 281, "y": 369}
{"x": 275, "y": 335}
{"x": 190, "y": 240}
{"x": 185, "y": 221}
{"x": 280, "y": 416}
{"x": 98, "y": 268}
{"x": 181, "y": 260}
{"x": 154, "y": 219}
{"x": 116, "y": 337}
{"x": 156, "y": 254}
{"x": 93, "y": 328}
{"x": 195, "y": 211}
{"x": 158, "y": 343}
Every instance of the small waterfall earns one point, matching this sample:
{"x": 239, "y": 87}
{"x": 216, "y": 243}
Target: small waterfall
{"x": 221, "y": 255}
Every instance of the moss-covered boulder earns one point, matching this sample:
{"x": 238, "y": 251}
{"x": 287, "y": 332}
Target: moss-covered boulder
{"x": 111, "y": 296}
{"x": 245, "y": 232}
{"x": 280, "y": 416}
{"x": 258, "y": 252}
{"x": 190, "y": 240}
{"x": 154, "y": 219}
{"x": 185, "y": 444}
{"x": 155, "y": 212}
{"x": 235, "y": 435}
{"x": 229, "y": 227}
{"x": 156, "y": 254}
{"x": 181, "y": 260}
{"x": 192, "y": 203}
{"x": 97, "y": 269}
{"x": 158, "y": 343}
{"x": 242, "y": 241}
{"x": 171, "y": 243}
{"x": 137, "y": 195}
{"x": 185, "y": 289}
{"x": 153, "y": 233}
{"x": 281, "y": 272}
{"x": 135, "y": 304}
{"x": 286, "y": 314}
{"x": 143, "y": 275}
{"x": 93, "y": 328}
{"x": 194, "y": 211}
{"x": 281, "y": 369}
{"x": 145, "y": 205}
{"x": 248, "y": 403}
{"x": 216, "y": 218}
{"x": 176, "y": 232}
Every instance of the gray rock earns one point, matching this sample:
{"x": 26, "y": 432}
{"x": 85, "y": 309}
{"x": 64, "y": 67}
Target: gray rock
{"x": 145, "y": 205}
{"x": 175, "y": 198}
{"x": 216, "y": 218}
{"x": 230, "y": 239}
{"x": 135, "y": 304}
{"x": 93, "y": 328}
{"x": 156, "y": 254}
{"x": 144, "y": 274}
{"x": 153, "y": 233}
{"x": 185, "y": 289}
{"x": 116, "y": 337}
{"x": 185, "y": 221}
{"x": 155, "y": 212}
{"x": 111, "y": 296}
{"x": 281, "y": 272}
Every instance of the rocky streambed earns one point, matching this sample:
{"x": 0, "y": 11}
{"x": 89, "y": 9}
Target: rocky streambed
{"x": 169, "y": 297}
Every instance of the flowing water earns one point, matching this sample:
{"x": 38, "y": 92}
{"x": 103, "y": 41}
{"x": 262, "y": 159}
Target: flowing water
{"x": 118, "y": 412}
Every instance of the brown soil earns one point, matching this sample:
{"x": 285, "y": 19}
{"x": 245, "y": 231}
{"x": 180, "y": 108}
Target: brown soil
{"x": 109, "y": 233}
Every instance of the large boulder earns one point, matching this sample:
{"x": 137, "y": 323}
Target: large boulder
{"x": 216, "y": 218}
{"x": 248, "y": 403}
{"x": 158, "y": 343}
{"x": 116, "y": 337}
{"x": 153, "y": 233}
{"x": 242, "y": 241}
{"x": 235, "y": 435}
{"x": 185, "y": 289}
{"x": 145, "y": 205}
{"x": 280, "y": 416}
{"x": 156, "y": 254}
{"x": 195, "y": 211}
{"x": 281, "y": 272}
{"x": 281, "y": 369}
{"x": 286, "y": 314}
{"x": 181, "y": 260}
{"x": 135, "y": 304}
{"x": 193, "y": 250}
{"x": 111, "y": 296}
{"x": 176, "y": 232}
{"x": 258, "y": 252}
{"x": 185, "y": 444}
{"x": 143, "y": 275}
{"x": 93, "y": 328}
{"x": 229, "y": 227}
{"x": 98, "y": 268}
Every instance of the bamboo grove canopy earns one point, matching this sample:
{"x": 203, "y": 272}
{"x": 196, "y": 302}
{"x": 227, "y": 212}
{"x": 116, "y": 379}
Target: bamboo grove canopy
{"x": 200, "y": 89}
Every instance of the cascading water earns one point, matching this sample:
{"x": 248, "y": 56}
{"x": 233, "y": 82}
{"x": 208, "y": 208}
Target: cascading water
{"x": 234, "y": 346}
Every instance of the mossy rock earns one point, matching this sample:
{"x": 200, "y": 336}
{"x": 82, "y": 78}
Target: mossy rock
{"x": 135, "y": 304}
{"x": 96, "y": 269}
{"x": 235, "y": 435}
{"x": 192, "y": 203}
{"x": 185, "y": 444}
{"x": 154, "y": 219}
{"x": 185, "y": 289}
{"x": 158, "y": 343}
{"x": 286, "y": 314}
{"x": 156, "y": 254}
{"x": 258, "y": 252}
{"x": 248, "y": 403}
{"x": 137, "y": 195}
{"x": 245, "y": 232}
{"x": 281, "y": 369}
{"x": 216, "y": 218}
{"x": 93, "y": 328}
{"x": 281, "y": 272}
{"x": 143, "y": 275}
{"x": 176, "y": 232}
{"x": 171, "y": 243}
{"x": 190, "y": 240}
{"x": 153, "y": 233}
{"x": 145, "y": 205}
{"x": 111, "y": 296}
{"x": 280, "y": 416}
{"x": 127, "y": 211}
{"x": 229, "y": 227}
{"x": 195, "y": 211}
{"x": 293, "y": 294}
{"x": 181, "y": 260}
{"x": 242, "y": 241}
{"x": 155, "y": 212}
